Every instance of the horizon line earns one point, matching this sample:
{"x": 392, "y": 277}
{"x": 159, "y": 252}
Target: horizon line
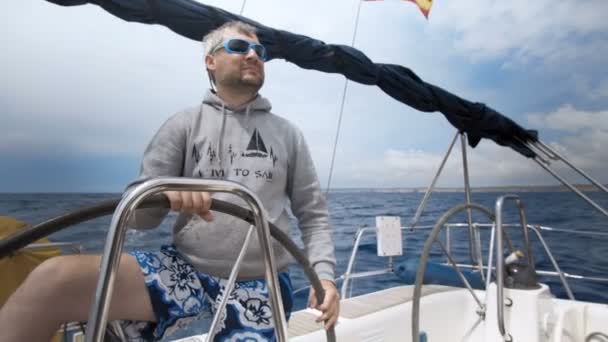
{"x": 586, "y": 187}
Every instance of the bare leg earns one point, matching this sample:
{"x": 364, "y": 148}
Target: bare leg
{"x": 61, "y": 290}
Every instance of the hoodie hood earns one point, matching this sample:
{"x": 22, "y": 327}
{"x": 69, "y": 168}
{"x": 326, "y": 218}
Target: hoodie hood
{"x": 258, "y": 103}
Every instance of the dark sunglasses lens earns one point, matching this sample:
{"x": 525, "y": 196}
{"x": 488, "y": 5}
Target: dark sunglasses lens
{"x": 238, "y": 45}
{"x": 260, "y": 51}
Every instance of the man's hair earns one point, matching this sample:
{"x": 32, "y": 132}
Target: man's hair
{"x": 217, "y": 36}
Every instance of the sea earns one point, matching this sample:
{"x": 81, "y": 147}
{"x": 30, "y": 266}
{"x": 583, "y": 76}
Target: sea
{"x": 582, "y": 253}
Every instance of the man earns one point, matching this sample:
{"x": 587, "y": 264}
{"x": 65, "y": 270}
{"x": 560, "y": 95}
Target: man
{"x": 232, "y": 135}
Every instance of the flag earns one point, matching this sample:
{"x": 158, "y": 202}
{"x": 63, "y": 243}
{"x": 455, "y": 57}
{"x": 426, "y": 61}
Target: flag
{"x": 424, "y": 5}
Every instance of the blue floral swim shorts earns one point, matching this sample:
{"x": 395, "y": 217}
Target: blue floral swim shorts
{"x": 180, "y": 295}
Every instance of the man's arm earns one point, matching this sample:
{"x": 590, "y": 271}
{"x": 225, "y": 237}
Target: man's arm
{"x": 309, "y": 206}
{"x": 164, "y": 156}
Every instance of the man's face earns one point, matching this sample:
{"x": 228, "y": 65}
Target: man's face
{"x": 237, "y": 71}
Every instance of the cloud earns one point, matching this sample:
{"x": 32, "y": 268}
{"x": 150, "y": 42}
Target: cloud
{"x": 489, "y": 164}
{"x": 545, "y": 30}
{"x": 586, "y": 135}
{"x": 584, "y": 142}
{"x": 568, "y": 118}
{"x": 84, "y": 82}
{"x": 596, "y": 90}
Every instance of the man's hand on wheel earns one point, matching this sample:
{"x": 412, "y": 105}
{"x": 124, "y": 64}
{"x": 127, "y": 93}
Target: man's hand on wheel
{"x": 191, "y": 202}
{"x": 330, "y": 306}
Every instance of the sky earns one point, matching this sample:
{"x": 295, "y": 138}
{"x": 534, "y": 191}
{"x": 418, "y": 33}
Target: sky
{"x": 82, "y": 92}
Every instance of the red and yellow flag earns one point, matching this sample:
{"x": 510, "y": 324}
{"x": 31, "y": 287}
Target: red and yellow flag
{"x": 424, "y": 5}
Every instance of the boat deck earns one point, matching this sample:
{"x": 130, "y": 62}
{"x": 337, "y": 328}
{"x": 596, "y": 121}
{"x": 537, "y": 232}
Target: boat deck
{"x": 303, "y": 322}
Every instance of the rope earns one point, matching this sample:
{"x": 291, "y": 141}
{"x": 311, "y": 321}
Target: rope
{"x": 333, "y": 155}
{"x": 242, "y": 7}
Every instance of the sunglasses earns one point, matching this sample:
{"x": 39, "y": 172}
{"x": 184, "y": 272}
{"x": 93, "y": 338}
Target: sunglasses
{"x": 242, "y": 47}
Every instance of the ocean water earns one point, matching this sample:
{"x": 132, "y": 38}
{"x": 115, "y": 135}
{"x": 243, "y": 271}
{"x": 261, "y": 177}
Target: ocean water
{"x": 576, "y": 254}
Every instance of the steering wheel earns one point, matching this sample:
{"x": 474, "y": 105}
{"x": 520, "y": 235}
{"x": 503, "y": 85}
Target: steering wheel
{"x": 426, "y": 251}
{"x": 23, "y": 238}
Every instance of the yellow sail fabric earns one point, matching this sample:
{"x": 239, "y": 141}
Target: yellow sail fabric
{"x": 15, "y": 268}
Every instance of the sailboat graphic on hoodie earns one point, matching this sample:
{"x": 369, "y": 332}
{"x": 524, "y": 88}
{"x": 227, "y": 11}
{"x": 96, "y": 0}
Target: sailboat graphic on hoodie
{"x": 256, "y": 147}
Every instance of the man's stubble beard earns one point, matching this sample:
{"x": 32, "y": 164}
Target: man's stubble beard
{"x": 241, "y": 81}
{"x": 246, "y": 84}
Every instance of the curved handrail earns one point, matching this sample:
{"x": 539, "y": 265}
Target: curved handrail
{"x": 500, "y": 262}
{"x": 595, "y": 335}
{"x": 351, "y": 260}
{"x": 426, "y": 250}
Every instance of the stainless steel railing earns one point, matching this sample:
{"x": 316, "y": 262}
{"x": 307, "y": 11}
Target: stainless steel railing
{"x": 98, "y": 315}
{"x": 349, "y": 274}
{"x": 500, "y": 261}
{"x": 545, "y": 155}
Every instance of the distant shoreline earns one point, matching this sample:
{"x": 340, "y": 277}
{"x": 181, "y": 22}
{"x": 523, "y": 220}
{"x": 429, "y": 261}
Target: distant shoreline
{"x": 499, "y": 189}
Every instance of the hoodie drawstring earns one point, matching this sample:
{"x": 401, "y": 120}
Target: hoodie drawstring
{"x": 220, "y": 143}
{"x": 224, "y": 114}
{"x": 247, "y": 109}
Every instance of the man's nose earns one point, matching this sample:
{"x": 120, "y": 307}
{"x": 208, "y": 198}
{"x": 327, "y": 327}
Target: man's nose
{"x": 252, "y": 54}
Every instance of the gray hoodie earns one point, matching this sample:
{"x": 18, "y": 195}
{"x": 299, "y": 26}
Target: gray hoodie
{"x": 258, "y": 149}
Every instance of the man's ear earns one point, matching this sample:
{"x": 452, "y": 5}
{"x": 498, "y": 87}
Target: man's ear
{"x": 210, "y": 63}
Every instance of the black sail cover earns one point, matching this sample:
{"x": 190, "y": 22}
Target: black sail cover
{"x": 194, "y": 20}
